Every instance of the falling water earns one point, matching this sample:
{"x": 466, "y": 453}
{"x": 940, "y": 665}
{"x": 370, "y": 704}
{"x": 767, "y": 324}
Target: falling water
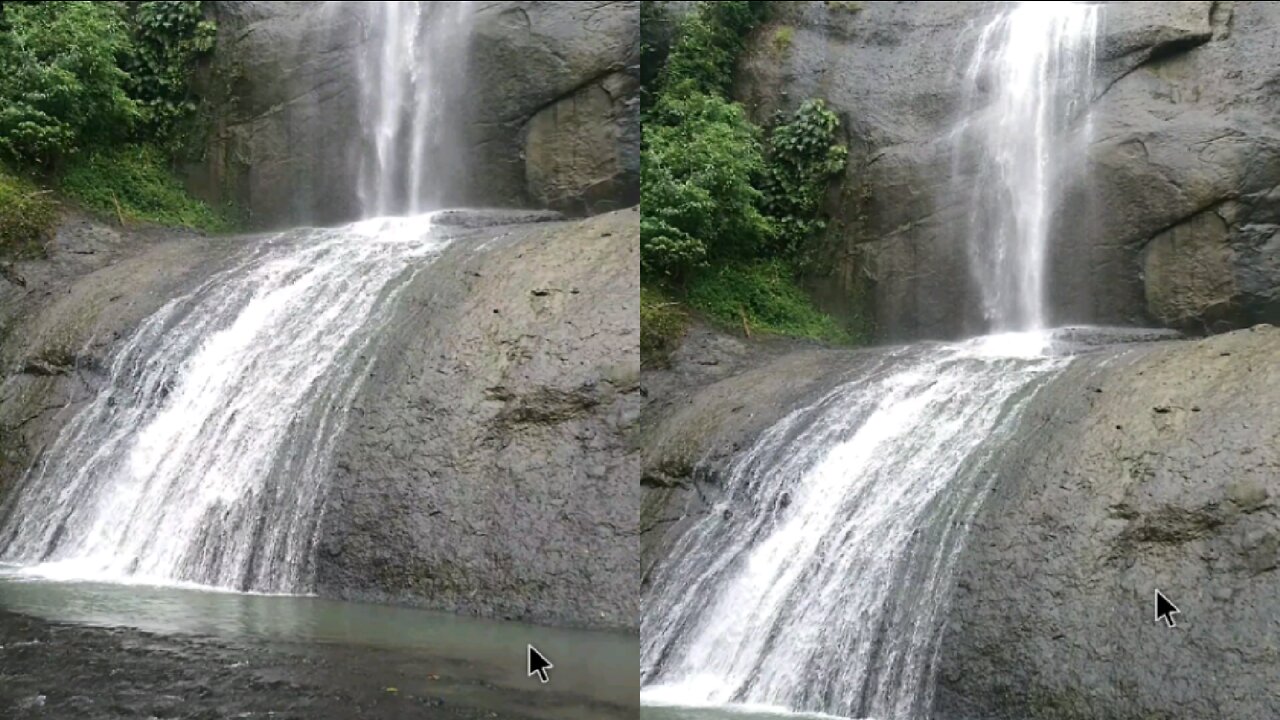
{"x": 1029, "y": 80}
{"x": 411, "y": 61}
{"x": 202, "y": 458}
{"x": 818, "y": 582}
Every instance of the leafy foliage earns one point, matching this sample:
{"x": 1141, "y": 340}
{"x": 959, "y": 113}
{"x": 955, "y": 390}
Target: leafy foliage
{"x": 727, "y": 218}
{"x": 27, "y": 217}
{"x": 698, "y": 175}
{"x": 803, "y": 157}
{"x": 169, "y": 38}
{"x": 94, "y": 96}
{"x": 710, "y": 41}
{"x": 763, "y": 296}
{"x": 133, "y": 182}
{"x": 61, "y": 84}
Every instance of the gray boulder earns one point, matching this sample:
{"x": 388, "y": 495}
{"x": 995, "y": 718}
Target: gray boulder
{"x": 487, "y": 470}
{"x": 1151, "y": 469}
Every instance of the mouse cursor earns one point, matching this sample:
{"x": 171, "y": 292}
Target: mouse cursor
{"x": 1165, "y": 610}
{"x": 539, "y": 664}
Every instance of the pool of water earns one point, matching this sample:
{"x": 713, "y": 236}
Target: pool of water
{"x": 595, "y": 674}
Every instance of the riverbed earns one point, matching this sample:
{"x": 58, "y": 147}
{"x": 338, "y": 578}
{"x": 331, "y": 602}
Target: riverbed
{"x": 105, "y": 650}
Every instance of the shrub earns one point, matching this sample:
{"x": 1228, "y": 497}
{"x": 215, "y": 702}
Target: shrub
{"x": 662, "y": 324}
{"x": 61, "y": 86}
{"x": 763, "y": 297}
{"x": 708, "y": 46}
{"x": 782, "y": 39}
{"x": 169, "y": 38}
{"x": 699, "y": 175}
{"x": 803, "y": 156}
{"x": 134, "y": 183}
{"x": 28, "y": 216}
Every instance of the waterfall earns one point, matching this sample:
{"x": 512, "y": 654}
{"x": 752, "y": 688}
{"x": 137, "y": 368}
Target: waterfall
{"x": 409, "y": 70}
{"x": 1030, "y": 78}
{"x": 203, "y": 456}
{"x": 819, "y": 580}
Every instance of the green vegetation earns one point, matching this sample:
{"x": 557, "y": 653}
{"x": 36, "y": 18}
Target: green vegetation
{"x": 27, "y": 217}
{"x": 132, "y": 183}
{"x": 662, "y": 324}
{"x": 782, "y": 39}
{"x": 730, "y": 213}
{"x": 61, "y": 84}
{"x": 96, "y": 96}
{"x": 763, "y": 297}
{"x": 169, "y": 38}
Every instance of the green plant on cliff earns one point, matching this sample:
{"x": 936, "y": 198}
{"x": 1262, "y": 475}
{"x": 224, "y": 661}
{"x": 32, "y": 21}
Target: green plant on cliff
{"x": 169, "y": 39}
{"x": 699, "y": 172}
{"x": 803, "y": 156}
{"x": 131, "y": 183}
{"x": 62, "y": 87}
{"x": 762, "y": 296}
{"x": 727, "y": 215}
{"x": 662, "y": 324}
{"x": 27, "y": 217}
{"x": 707, "y": 47}
{"x": 95, "y": 98}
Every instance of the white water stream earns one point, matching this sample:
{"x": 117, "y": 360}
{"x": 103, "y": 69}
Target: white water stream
{"x": 819, "y": 582}
{"x": 202, "y": 457}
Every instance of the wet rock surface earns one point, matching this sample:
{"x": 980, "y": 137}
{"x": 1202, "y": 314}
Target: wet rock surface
{"x": 1152, "y": 468}
{"x": 59, "y": 670}
{"x": 1148, "y": 463}
{"x": 544, "y": 109}
{"x": 485, "y": 468}
{"x": 61, "y": 317}
{"x": 1175, "y": 224}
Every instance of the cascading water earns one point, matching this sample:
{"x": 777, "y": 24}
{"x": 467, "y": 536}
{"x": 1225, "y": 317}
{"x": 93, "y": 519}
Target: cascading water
{"x": 1030, "y": 78}
{"x": 819, "y": 582}
{"x": 202, "y": 458}
{"x": 416, "y": 50}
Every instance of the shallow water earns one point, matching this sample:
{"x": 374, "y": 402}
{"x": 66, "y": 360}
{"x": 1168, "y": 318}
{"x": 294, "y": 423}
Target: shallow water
{"x": 596, "y": 674}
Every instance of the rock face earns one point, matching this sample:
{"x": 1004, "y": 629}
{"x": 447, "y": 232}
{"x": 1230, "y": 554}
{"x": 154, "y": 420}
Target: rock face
{"x": 1183, "y": 168}
{"x": 487, "y": 470}
{"x": 60, "y": 319}
{"x": 548, "y": 115}
{"x": 1141, "y": 466}
{"x": 485, "y": 467}
{"x": 556, "y": 104}
{"x": 1155, "y": 469}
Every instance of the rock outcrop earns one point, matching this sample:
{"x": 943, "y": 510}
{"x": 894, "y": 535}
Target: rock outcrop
{"x": 487, "y": 469}
{"x": 1153, "y": 469}
{"x": 545, "y": 110}
{"x": 1180, "y": 198}
{"x": 60, "y": 318}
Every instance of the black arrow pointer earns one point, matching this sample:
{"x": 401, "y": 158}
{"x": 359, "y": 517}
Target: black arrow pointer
{"x": 539, "y": 664}
{"x": 1165, "y": 610}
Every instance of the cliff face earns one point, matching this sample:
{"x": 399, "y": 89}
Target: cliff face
{"x": 486, "y": 467}
{"x": 1180, "y": 193}
{"x": 545, "y": 112}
